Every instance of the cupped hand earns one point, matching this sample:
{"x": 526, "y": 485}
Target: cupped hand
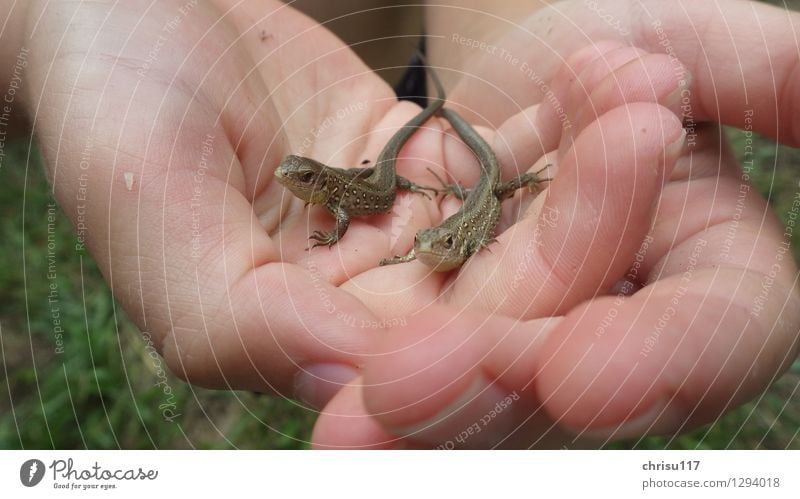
{"x": 161, "y": 125}
{"x": 617, "y": 306}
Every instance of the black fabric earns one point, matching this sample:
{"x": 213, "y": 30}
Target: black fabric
{"x": 413, "y": 85}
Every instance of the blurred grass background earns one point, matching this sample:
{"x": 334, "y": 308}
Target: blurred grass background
{"x": 102, "y": 393}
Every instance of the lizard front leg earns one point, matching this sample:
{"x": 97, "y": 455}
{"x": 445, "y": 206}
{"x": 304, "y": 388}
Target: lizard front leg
{"x": 330, "y": 238}
{"x": 399, "y": 259}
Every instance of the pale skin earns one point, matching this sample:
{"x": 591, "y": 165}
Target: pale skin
{"x": 215, "y": 269}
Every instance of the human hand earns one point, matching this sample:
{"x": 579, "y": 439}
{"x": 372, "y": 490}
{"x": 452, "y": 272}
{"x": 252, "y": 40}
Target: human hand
{"x": 736, "y": 51}
{"x": 161, "y": 125}
{"x": 706, "y": 321}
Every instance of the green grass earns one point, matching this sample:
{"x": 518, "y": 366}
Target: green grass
{"x": 101, "y": 391}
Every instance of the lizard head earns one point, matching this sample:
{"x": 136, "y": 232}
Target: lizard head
{"x": 439, "y": 248}
{"x": 304, "y": 177}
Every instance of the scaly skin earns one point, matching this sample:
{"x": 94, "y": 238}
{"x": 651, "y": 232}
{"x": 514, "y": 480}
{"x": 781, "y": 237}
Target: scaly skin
{"x": 448, "y": 245}
{"x": 347, "y": 193}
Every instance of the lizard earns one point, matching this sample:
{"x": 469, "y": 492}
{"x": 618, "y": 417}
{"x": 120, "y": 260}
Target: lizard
{"x": 448, "y": 245}
{"x": 355, "y": 192}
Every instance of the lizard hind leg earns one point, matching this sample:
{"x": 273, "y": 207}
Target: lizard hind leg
{"x": 454, "y": 189}
{"x": 545, "y": 167}
{"x": 533, "y": 180}
{"x": 529, "y": 180}
{"x": 405, "y": 184}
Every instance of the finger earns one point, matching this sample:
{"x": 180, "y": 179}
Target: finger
{"x": 590, "y": 222}
{"x": 537, "y": 129}
{"x": 346, "y": 424}
{"x": 524, "y": 138}
{"x": 586, "y": 78}
{"x": 743, "y": 56}
{"x": 532, "y": 75}
{"x": 675, "y": 355}
{"x": 532, "y": 131}
{"x": 618, "y": 76}
{"x": 743, "y": 68}
{"x": 553, "y": 113}
{"x": 645, "y": 78}
{"x": 724, "y": 208}
{"x": 304, "y": 101}
{"x": 744, "y": 62}
{"x": 459, "y": 382}
{"x": 527, "y": 135}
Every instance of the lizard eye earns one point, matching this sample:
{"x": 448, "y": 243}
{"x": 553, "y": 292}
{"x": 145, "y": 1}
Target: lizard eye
{"x": 306, "y": 176}
{"x": 448, "y": 242}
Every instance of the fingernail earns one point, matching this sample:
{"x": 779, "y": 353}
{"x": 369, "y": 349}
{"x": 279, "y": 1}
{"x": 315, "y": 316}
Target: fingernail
{"x": 674, "y": 100}
{"x": 316, "y": 384}
{"x": 674, "y": 150}
{"x": 476, "y": 419}
{"x": 660, "y": 419}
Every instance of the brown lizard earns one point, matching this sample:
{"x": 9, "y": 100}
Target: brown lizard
{"x": 448, "y": 245}
{"x": 355, "y": 192}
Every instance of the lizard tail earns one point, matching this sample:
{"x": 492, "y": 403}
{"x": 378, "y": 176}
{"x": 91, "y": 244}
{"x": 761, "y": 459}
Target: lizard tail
{"x": 440, "y": 93}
